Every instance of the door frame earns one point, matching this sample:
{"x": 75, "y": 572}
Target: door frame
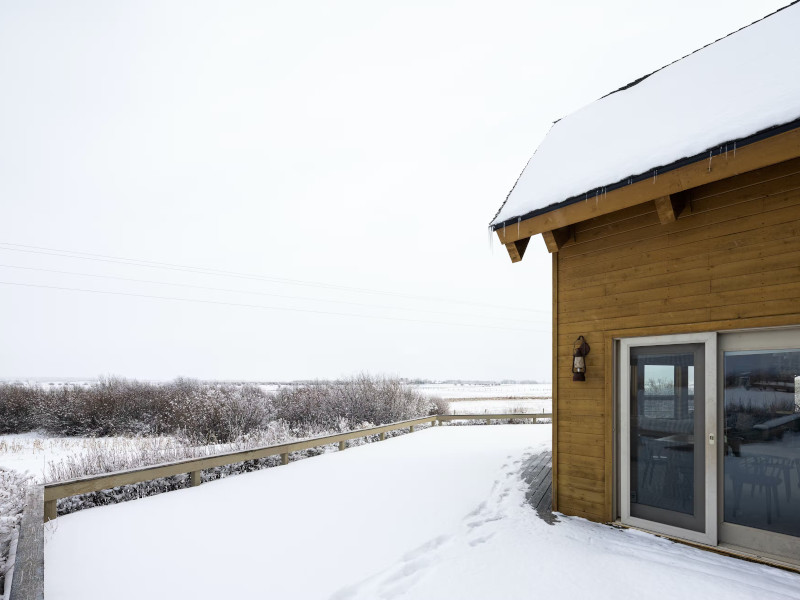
{"x": 709, "y": 340}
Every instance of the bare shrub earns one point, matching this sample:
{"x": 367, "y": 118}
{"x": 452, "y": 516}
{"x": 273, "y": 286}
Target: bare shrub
{"x": 202, "y": 412}
{"x": 439, "y": 406}
{"x": 337, "y": 405}
{"x": 17, "y": 408}
{"x": 13, "y": 488}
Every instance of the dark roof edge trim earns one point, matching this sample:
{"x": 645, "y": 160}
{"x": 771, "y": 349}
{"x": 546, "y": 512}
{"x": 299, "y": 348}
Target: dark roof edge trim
{"x": 716, "y": 150}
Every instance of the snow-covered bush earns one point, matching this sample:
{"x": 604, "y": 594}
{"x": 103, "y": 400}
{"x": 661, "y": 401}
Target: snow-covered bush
{"x": 203, "y": 412}
{"x": 17, "y": 408}
{"x": 438, "y": 406}
{"x": 206, "y": 412}
{"x": 335, "y": 405}
{"x": 13, "y": 488}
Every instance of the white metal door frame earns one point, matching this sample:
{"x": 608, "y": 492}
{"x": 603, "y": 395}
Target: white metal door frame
{"x": 709, "y": 339}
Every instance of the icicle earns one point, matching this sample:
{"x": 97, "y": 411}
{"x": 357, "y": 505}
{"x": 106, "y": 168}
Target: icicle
{"x": 709, "y": 161}
{"x": 518, "y": 220}
{"x": 655, "y": 174}
{"x": 734, "y": 149}
{"x": 491, "y": 246}
{"x": 726, "y": 151}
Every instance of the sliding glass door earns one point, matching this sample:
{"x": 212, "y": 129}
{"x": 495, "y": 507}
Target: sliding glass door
{"x": 709, "y": 438}
{"x": 760, "y": 479}
{"x": 668, "y": 409}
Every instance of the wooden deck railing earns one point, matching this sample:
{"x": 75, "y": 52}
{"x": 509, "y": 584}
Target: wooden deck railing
{"x": 193, "y": 466}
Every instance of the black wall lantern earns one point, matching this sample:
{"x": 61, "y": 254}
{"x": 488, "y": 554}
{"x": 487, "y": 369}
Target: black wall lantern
{"x": 579, "y": 351}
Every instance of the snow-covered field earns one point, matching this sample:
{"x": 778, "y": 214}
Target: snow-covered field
{"x": 479, "y": 398}
{"x": 437, "y": 514}
{"x": 479, "y": 406}
{"x": 32, "y": 452}
{"x": 450, "y": 391}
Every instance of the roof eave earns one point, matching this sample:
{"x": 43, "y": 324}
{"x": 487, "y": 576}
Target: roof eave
{"x": 762, "y": 149}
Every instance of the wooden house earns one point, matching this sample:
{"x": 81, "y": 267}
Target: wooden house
{"x": 671, "y": 208}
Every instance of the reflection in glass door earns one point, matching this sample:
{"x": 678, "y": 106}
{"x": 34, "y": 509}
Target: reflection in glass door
{"x": 667, "y": 417}
{"x": 762, "y": 440}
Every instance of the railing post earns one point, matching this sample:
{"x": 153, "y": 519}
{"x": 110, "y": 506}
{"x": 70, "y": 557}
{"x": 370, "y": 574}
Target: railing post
{"x": 383, "y": 435}
{"x": 50, "y": 510}
{"x": 488, "y": 421}
{"x": 196, "y": 478}
{"x": 411, "y": 429}
{"x": 342, "y": 444}
{"x": 285, "y": 458}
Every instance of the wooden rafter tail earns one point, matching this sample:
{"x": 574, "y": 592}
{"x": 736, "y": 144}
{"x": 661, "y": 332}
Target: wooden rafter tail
{"x": 516, "y": 250}
{"x": 670, "y": 207}
{"x": 556, "y": 238}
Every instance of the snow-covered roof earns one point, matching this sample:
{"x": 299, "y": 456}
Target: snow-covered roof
{"x": 739, "y": 86}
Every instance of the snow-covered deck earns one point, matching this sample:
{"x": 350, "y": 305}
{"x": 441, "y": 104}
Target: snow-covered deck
{"x": 441, "y": 513}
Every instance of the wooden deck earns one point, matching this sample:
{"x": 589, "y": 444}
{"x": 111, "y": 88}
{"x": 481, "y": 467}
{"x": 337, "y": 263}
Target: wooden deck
{"x": 537, "y": 473}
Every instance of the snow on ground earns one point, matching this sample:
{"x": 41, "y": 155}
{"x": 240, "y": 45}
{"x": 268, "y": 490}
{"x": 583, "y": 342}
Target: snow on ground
{"x": 478, "y": 406}
{"x": 480, "y": 398}
{"x": 32, "y": 452}
{"x": 437, "y": 514}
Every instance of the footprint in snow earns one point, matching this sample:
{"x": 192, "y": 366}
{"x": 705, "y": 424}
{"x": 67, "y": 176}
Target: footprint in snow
{"x": 477, "y": 510}
{"x": 481, "y": 540}
{"x": 398, "y": 579}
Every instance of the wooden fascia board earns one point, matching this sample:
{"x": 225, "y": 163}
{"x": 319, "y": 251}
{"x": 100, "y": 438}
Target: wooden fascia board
{"x": 770, "y": 151}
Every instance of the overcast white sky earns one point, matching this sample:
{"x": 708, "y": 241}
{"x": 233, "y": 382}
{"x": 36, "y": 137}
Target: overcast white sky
{"x": 345, "y": 157}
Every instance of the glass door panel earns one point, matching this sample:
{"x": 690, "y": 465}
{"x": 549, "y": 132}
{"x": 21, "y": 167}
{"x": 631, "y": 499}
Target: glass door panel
{"x": 666, "y": 435}
{"x": 761, "y": 462}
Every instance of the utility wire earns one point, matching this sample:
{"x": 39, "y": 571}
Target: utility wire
{"x": 11, "y": 247}
{"x": 240, "y": 291}
{"x": 264, "y": 307}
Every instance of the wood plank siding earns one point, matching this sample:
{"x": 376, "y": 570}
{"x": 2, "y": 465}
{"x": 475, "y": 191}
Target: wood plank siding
{"x": 731, "y": 260}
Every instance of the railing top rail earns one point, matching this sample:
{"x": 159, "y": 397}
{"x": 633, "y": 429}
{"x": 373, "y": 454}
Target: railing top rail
{"x": 102, "y": 481}
{"x": 80, "y": 485}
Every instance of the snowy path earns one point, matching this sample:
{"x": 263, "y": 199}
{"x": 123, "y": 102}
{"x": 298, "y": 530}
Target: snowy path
{"x": 437, "y": 514}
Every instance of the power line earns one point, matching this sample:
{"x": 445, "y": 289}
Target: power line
{"x": 240, "y": 291}
{"x": 265, "y": 307}
{"x": 219, "y": 272}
